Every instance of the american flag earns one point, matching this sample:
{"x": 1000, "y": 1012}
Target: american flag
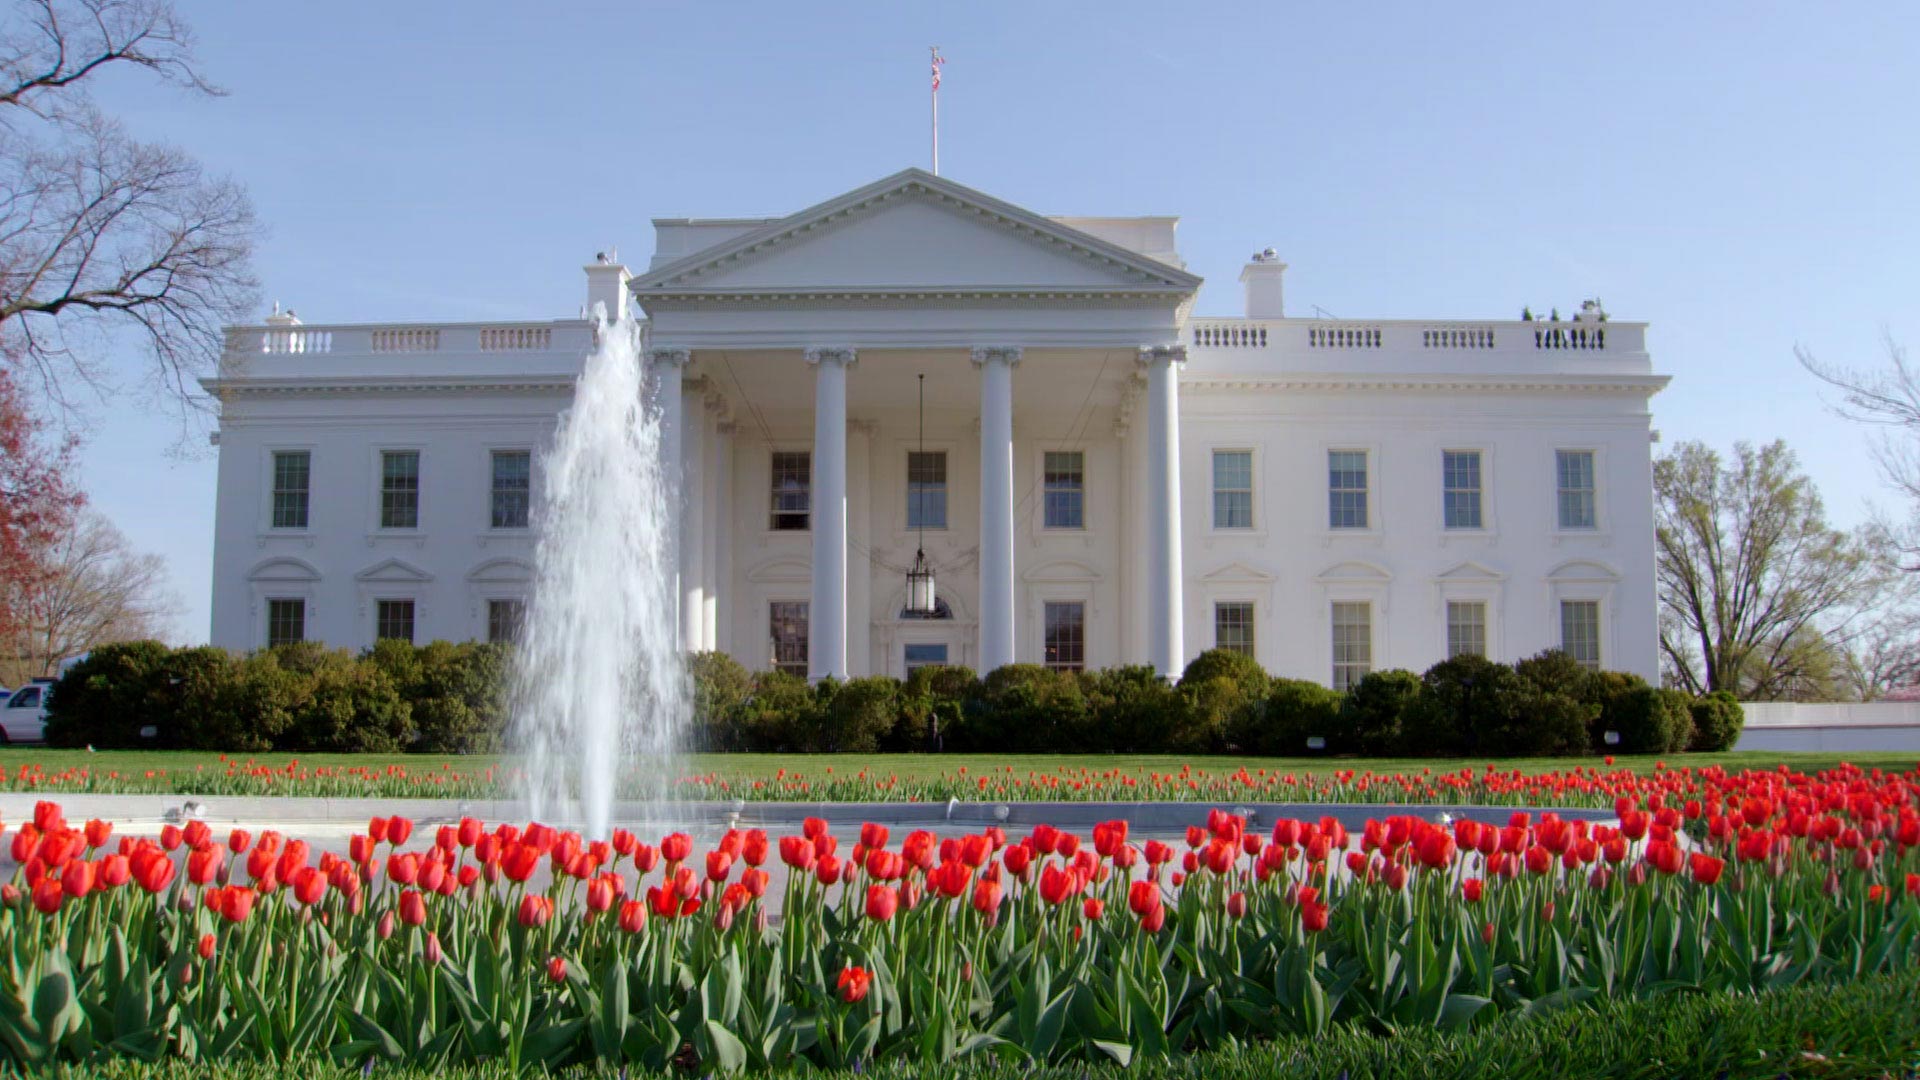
{"x": 937, "y": 61}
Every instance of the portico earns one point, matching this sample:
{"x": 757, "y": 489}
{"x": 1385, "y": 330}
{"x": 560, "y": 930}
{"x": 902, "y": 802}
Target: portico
{"x": 1036, "y": 338}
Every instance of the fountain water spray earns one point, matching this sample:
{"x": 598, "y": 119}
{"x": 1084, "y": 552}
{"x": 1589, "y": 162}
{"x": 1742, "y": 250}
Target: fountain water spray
{"x": 599, "y": 688}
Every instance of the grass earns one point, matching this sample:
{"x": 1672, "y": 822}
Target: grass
{"x": 1870, "y": 1028}
{"x": 892, "y": 777}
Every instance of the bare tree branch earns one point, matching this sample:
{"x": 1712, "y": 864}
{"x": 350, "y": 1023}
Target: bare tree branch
{"x": 94, "y": 589}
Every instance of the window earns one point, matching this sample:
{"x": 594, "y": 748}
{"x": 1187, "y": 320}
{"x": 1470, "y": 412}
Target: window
{"x": 393, "y": 619}
{"x": 1575, "y": 469}
{"x": 286, "y": 622}
{"x": 1233, "y": 489}
{"x": 1066, "y": 635}
{"x": 1346, "y": 489}
{"x": 1460, "y": 484}
{"x": 1580, "y": 631}
{"x": 26, "y": 699}
{"x": 787, "y": 625}
{"x": 925, "y": 655}
{"x": 1352, "y": 643}
{"x": 792, "y": 490}
{"x": 1233, "y": 626}
{"x": 505, "y": 618}
{"x": 1466, "y": 628}
{"x": 1065, "y": 480}
{"x": 927, "y": 489}
{"x": 512, "y": 488}
{"x": 400, "y": 489}
{"x": 292, "y": 471}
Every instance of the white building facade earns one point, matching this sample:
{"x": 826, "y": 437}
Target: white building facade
{"x": 1101, "y": 478}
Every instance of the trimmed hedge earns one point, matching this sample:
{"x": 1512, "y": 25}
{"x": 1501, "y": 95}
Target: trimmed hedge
{"x": 1869, "y": 1028}
{"x": 447, "y": 698}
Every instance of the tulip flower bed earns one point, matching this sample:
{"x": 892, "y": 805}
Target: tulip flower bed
{"x": 527, "y": 947}
{"x": 923, "y": 778}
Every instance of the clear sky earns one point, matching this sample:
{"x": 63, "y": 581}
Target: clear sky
{"x": 1742, "y": 176}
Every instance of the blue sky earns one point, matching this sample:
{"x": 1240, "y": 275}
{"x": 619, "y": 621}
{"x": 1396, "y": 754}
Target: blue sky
{"x": 1741, "y": 176}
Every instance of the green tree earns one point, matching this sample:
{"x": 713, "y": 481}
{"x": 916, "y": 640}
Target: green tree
{"x": 1748, "y": 567}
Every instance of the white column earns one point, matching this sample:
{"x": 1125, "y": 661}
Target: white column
{"x": 1165, "y": 648}
{"x": 664, "y": 369}
{"x": 996, "y": 505}
{"x": 693, "y": 503}
{"x": 859, "y": 553}
{"x": 723, "y": 536}
{"x": 827, "y": 612}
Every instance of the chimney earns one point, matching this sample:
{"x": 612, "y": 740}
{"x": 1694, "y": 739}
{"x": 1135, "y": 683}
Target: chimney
{"x": 607, "y": 284}
{"x": 1262, "y": 279}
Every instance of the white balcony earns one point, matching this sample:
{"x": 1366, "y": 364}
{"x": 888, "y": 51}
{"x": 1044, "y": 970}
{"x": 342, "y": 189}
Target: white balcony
{"x": 291, "y": 352}
{"x": 1416, "y": 347}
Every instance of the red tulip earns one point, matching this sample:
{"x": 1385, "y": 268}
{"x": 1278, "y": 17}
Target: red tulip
{"x": 76, "y": 880}
{"x": 47, "y": 895}
{"x": 986, "y": 897}
{"x": 882, "y": 900}
{"x": 204, "y": 864}
{"x": 557, "y": 969}
{"x": 238, "y": 904}
{"x": 1056, "y": 884}
{"x": 633, "y": 916}
{"x": 873, "y": 836}
{"x": 675, "y": 847}
{"x": 827, "y": 870}
{"x": 1143, "y": 897}
{"x": 398, "y": 830}
{"x": 1153, "y": 920}
{"x": 97, "y": 833}
{"x": 753, "y": 850}
{"x": 114, "y": 871}
{"x": 309, "y": 885}
{"x": 519, "y": 862}
{"x": 1472, "y": 889}
{"x": 813, "y": 827}
{"x": 854, "y": 983}
{"x": 1236, "y": 905}
{"x": 413, "y": 907}
{"x": 1706, "y": 868}
{"x": 205, "y": 947}
{"x": 432, "y": 952}
{"x": 1093, "y": 908}
{"x": 535, "y": 911}
{"x": 170, "y": 837}
{"x": 719, "y": 865}
{"x": 599, "y": 895}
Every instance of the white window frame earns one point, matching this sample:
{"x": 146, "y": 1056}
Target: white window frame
{"x": 1568, "y": 582}
{"x": 765, "y": 474}
{"x": 1253, "y": 621}
{"x": 486, "y": 615}
{"x": 1599, "y": 628}
{"x": 374, "y": 603}
{"x": 486, "y": 510}
{"x": 1087, "y": 651}
{"x": 1372, "y": 452}
{"x": 1040, "y": 453}
{"x": 766, "y": 662}
{"x": 1486, "y": 492}
{"x": 1373, "y": 641}
{"x": 265, "y": 525}
{"x": 1446, "y": 626}
{"x": 1471, "y": 583}
{"x": 1256, "y": 524}
{"x": 269, "y": 597}
{"x": 906, "y": 489}
{"x": 1600, "y": 515}
{"x": 1351, "y": 581}
{"x": 376, "y": 469}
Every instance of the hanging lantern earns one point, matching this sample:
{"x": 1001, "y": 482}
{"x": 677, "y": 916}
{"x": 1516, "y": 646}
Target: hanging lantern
{"x": 920, "y": 592}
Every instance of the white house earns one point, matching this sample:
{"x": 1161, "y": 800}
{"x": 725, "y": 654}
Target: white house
{"x": 1105, "y": 477}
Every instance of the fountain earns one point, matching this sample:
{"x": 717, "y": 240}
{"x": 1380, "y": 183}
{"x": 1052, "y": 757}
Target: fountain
{"x": 598, "y": 680}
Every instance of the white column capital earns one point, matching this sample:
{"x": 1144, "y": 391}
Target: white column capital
{"x": 844, "y": 355}
{"x": 1005, "y": 354}
{"x": 1155, "y": 354}
{"x": 670, "y": 354}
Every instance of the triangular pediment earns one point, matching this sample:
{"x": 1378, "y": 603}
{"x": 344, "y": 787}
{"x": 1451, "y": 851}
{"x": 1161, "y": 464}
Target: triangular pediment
{"x": 913, "y": 232}
{"x": 1238, "y": 574}
{"x": 1355, "y": 572}
{"x": 1470, "y": 571}
{"x": 393, "y": 570}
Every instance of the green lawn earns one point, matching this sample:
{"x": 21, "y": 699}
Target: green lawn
{"x": 894, "y": 777}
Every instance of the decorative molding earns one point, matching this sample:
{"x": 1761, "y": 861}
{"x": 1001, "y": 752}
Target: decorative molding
{"x": 844, "y": 355}
{"x": 1136, "y": 388}
{"x": 505, "y": 384}
{"x": 670, "y": 354}
{"x": 283, "y": 568}
{"x": 394, "y": 571}
{"x": 916, "y": 296}
{"x": 1629, "y": 385}
{"x": 1154, "y": 354}
{"x": 1007, "y": 354}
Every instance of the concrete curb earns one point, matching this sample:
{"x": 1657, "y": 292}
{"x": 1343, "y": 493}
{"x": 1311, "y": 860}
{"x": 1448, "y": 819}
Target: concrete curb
{"x": 1156, "y": 816}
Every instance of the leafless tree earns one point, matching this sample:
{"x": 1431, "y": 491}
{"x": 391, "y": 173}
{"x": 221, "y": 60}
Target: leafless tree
{"x": 101, "y": 234}
{"x": 1888, "y": 399}
{"x": 95, "y": 589}
{"x": 1755, "y": 587}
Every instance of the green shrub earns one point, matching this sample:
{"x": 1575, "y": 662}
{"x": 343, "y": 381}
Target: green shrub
{"x": 1631, "y": 709}
{"x": 1558, "y": 726}
{"x": 107, "y": 698}
{"x": 346, "y": 706}
{"x": 1468, "y": 705}
{"x": 1132, "y": 709}
{"x": 1224, "y": 693}
{"x": 1554, "y": 671}
{"x": 1679, "y": 705}
{"x": 1027, "y": 707}
{"x": 1717, "y": 721}
{"x": 933, "y": 703}
{"x": 458, "y": 698}
{"x": 720, "y": 688}
{"x": 1296, "y": 711}
{"x": 1372, "y": 713}
{"x": 781, "y": 714}
{"x": 861, "y": 714}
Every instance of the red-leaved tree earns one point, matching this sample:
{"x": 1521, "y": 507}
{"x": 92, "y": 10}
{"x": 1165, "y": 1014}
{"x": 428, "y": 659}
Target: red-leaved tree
{"x": 37, "y": 500}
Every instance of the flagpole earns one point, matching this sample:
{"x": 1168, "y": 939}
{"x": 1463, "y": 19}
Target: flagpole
{"x": 934, "y": 96}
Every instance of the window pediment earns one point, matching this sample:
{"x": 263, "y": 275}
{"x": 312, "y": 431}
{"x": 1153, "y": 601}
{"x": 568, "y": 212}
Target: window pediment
{"x": 393, "y": 570}
{"x": 1237, "y": 574}
{"x": 284, "y": 568}
{"x": 1583, "y": 570}
{"x": 1470, "y": 572}
{"x": 501, "y": 571}
{"x": 1061, "y": 572}
{"x": 781, "y": 571}
{"x": 1354, "y": 573}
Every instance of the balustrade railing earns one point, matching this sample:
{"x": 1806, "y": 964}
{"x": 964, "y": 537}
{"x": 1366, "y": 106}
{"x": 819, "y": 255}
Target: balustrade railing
{"x": 509, "y": 338}
{"x": 1409, "y": 336}
{"x": 406, "y": 339}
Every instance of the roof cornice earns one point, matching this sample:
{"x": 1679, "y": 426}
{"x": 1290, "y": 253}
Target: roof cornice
{"x": 502, "y": 384}
{"x": 678, "y": 276}
{"x": 1626, "y": 385}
